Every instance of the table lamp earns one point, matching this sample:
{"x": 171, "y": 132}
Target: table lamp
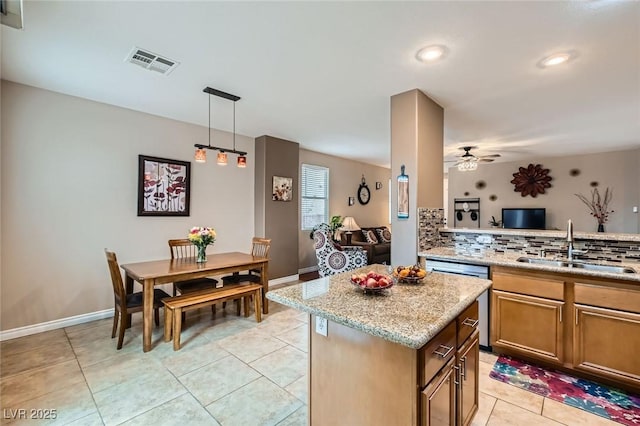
{"x": 349, "y": 225}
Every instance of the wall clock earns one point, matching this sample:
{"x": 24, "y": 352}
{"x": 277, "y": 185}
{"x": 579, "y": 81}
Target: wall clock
{"x": 364, "y": 194}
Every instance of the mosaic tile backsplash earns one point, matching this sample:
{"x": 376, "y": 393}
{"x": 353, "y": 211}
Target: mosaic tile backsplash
{"x": 429, "y": 223}
{"x": 478, "y": 244}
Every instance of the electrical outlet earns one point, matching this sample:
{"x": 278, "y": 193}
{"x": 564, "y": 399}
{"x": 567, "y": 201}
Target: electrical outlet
{"x": 322, "y": 326}
{"x": 635, "y": 209}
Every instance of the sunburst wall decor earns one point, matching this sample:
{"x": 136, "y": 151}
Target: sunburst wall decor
{"x": 532, "y": 180}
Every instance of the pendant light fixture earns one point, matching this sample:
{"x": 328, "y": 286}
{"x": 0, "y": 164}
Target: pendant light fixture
{"x": 222, "y": 157}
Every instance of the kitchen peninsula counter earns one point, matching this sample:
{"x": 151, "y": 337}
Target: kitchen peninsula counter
{"x": 509, "y": 259}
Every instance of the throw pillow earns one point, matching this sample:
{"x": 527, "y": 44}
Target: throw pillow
{"x": 384, "y": 235}
{"x": 370, "y": 236}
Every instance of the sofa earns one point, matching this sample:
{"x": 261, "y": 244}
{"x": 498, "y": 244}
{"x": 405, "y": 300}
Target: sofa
{"x": 379, "y": 252}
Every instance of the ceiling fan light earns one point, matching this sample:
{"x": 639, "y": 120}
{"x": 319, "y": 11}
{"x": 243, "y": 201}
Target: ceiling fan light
{"x": 222, "y": 158}
{"x": 201, "y": 156}
{"x": 242, "y": 161}
{"x": 468, "y": 166}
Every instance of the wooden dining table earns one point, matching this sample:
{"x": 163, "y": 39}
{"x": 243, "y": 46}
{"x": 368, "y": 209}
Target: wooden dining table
{"x": 157, "y": 272}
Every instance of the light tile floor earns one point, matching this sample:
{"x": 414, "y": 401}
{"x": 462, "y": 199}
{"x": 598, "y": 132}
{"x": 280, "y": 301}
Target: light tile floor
{"x": 230, "y": 371}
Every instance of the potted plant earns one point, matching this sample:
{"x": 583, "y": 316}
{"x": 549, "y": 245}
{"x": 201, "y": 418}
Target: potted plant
{"x": 334, "y": 224}
{"x": 598, "y": 206}
{"x": 495, "y": 223}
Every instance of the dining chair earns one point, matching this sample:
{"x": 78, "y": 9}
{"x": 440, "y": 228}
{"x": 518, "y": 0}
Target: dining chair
{"x": 183, "y": 248}
{"x": 126, "y": 304}
{"x": 259, "y": 248}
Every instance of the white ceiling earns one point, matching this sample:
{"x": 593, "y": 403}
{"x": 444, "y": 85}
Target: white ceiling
{"x": 321, "y": 74}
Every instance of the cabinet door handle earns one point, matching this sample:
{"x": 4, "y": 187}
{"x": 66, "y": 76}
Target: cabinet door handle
{"x": 463, "y": 371}
{"x": 448, "y": 350}
{"x": 470, "y": 322}
{"x": 560, "y": 313}
{"x": 576, "y": 316}
{"x": 455, "y": 375}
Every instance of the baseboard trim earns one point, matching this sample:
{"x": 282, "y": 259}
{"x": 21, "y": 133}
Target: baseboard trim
{"x": 55, "y": 324}
{"x": 283, "y": 280}
{"x": 307, "y": 270}
{"x": 91, "y": 316}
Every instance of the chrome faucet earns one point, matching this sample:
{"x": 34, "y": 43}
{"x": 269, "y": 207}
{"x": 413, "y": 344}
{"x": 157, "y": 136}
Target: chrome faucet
{"x": 570, "y": 250}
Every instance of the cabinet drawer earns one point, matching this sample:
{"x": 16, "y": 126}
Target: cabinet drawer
{"x": 608, "y": 297}
{"x": 437, "y": 352}
{"x": 529, "y": 285}
{"x": 467, "y": 323}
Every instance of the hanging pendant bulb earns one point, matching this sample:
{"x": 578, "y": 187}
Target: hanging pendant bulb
{"x": 242, "y": 161}
{"x": 222, "y": 158}
{"x": 201, "y": 156}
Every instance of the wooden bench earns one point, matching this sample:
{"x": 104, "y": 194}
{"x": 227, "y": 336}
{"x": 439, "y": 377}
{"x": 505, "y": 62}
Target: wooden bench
{"x": 174, "y": 306}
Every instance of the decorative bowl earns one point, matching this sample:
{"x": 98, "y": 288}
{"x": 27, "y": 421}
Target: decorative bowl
{"x": 412, "y": 274}
{"x": 372, "y": 282}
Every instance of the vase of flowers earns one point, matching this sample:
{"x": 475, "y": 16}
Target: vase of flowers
{"x": 201, "y": 237}
{"x": 598, "y": 205}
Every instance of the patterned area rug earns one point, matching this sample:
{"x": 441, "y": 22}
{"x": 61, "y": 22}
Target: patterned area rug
{"x": 610, "y": 403}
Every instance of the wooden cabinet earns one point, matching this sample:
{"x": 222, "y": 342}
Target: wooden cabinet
{"x": 606, "y": 331}
{"x": 451, "y": 396}
{"x": 585, "y": 325}
{"x": 468, "y": 360}
{"x": 438, "y": 404}
{"x": 606, "y": 343}
{"x": 531, "y": 325}
{"x": 360, "y": 379}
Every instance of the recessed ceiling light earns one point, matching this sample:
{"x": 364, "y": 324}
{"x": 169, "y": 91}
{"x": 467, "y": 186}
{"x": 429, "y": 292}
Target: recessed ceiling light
{"x": 431, "y": 53}
{"x": 555, "y": 59}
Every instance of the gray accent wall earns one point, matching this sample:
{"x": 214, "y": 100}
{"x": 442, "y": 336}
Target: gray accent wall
{"x": 277, "y": 220}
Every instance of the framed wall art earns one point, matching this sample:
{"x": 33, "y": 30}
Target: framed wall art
{"x": 282, "y": 188}
{"x": 163, "y": 186}
{"x": 403, "y": 194}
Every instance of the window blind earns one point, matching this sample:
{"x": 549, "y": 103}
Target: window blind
{"x": 315, "y": 196}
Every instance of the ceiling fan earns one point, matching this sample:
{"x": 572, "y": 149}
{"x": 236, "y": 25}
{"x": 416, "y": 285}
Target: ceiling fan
{"x": 468, "y": 161}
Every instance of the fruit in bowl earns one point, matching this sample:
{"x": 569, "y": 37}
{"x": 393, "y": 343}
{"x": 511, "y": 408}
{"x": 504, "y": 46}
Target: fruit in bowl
{"x": 412, "y": 273}
{"x": 372, "y": 281}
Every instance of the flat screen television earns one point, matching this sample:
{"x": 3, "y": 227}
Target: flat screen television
{"x": 524, "y": 218}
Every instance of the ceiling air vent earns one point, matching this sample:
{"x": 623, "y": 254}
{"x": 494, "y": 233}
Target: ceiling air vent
{"x": 151, "y": 61}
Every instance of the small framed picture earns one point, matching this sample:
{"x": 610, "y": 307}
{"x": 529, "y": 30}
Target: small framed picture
{"x": 352, "y": 201}
{"x": 378, "y": 185}
{"x": 282, "y": 188}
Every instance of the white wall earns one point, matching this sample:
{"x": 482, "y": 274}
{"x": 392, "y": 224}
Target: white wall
{"x": 619, "y": 170}
{"x": 69, "y": 173}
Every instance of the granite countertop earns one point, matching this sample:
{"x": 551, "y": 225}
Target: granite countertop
{"x": 408, "y": 314}
{"x": 601, "y": 236}
{"x": 509, "y": 260}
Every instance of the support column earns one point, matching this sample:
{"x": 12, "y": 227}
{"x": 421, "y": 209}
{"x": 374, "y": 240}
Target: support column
{"x": 417, "y": 137}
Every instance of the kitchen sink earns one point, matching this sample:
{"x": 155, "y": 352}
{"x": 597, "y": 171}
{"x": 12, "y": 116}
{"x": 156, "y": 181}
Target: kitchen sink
{"x": 603, "y": 268}
{"x": 537, "y": 261}
{"x": 578, "y": 265}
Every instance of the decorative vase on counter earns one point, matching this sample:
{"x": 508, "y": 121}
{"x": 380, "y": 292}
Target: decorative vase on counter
{"x": 601, "y": 227}
{"x": 202, "y": 254}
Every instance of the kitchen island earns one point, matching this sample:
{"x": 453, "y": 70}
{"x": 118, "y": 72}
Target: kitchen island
{"x": 406, "y": 356}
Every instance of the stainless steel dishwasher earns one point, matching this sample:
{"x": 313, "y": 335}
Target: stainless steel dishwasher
{"x": 479, "y": 271}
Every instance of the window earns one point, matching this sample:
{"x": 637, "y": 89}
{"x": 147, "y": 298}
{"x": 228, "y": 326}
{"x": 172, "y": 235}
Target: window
{"x": 315, "y": 196}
